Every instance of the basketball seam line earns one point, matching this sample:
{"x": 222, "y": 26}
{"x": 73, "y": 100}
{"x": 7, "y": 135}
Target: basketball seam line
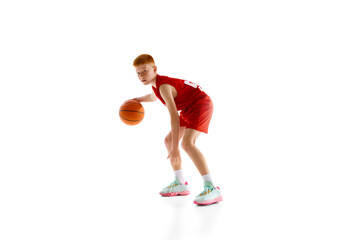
{"x": 131, "y": 111}
{"x": 131, "y": 120}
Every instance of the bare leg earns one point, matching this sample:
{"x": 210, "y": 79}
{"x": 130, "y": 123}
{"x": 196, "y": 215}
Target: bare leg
{"x": 168, "y": 144}
{"x": 188, "y": 144}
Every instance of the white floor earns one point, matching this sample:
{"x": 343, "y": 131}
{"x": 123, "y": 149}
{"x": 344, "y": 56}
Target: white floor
{"x": 97, "y": 199}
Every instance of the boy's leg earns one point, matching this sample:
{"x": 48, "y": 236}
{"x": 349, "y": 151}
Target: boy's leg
{"x": 188, "y": 144}
{"x": 175, "y": 189}
{"x": 210, "y": 194}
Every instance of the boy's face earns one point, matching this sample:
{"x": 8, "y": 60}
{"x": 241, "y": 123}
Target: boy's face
{"x": 146, "y": 73}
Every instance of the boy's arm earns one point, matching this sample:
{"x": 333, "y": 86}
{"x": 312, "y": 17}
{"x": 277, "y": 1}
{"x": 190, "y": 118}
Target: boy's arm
{"x": 166, "y": 93}
{"x": 147, "y": 98}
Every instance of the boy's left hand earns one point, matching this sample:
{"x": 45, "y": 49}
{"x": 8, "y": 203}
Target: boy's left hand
{"x": 174, "y": 156}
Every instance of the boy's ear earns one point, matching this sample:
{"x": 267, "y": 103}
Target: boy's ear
{"x": 155, "y": 68}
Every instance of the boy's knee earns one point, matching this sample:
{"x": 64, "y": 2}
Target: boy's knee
{"x": 186, "y": 145}
{"x": 167, "y": 140}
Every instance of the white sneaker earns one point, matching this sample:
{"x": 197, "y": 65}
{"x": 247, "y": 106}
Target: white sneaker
{"x": 210, "y": 195}
{"x": 175, "y": 189}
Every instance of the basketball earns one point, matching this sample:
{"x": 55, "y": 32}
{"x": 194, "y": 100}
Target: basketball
{"x": 131, "y": 112}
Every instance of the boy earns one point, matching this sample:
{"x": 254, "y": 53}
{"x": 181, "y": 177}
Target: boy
{"x": 196, "y": 110}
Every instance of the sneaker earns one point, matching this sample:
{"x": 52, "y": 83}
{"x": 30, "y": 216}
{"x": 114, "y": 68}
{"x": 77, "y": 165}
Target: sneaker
{"x": 175, "y": 189}
{"x": 210, "y": 195}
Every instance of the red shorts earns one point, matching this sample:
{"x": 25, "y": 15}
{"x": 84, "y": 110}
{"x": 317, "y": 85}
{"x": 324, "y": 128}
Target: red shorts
{"x": 198, "y": 115}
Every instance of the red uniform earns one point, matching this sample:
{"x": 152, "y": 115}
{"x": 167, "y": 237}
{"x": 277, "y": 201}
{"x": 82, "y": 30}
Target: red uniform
{"x": 195, "y": 105}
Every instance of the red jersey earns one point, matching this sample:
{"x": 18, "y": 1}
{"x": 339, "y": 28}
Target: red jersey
{"x": 187, "y": 92}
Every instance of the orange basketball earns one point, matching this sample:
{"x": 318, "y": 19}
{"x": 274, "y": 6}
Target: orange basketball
{"x": 131, "y": 112}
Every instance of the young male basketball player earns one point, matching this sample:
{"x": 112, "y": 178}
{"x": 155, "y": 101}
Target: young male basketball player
{"x": 196, "y": 110}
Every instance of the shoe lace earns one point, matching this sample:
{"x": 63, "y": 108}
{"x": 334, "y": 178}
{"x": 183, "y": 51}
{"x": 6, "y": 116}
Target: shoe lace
{"x": 172, "y": 186}
{"x": 207, "y": 190}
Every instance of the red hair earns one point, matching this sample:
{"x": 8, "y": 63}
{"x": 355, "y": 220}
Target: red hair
{"x": 143, "y": 59}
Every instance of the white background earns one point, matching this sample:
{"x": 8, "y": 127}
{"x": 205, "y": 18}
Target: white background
{"x": 283, "y": 144}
